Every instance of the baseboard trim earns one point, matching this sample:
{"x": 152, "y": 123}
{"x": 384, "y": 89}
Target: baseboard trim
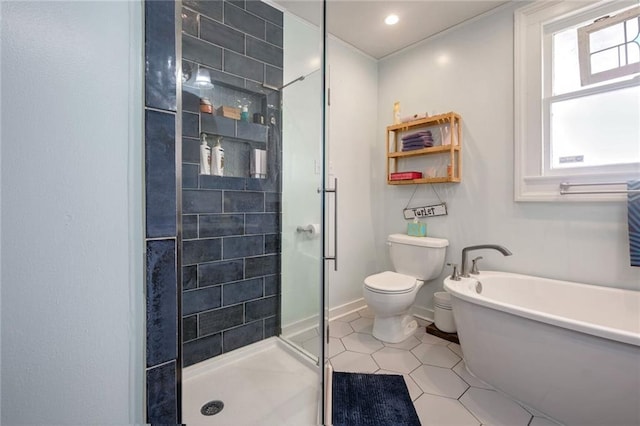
{"x": 347, "y": 308}
{"x": 311, "y": 322}
{"x": 299, "y": 326}
{"x": 422, "y": 313}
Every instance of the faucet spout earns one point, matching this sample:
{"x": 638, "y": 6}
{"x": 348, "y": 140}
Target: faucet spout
{"x": 464, "y": 271}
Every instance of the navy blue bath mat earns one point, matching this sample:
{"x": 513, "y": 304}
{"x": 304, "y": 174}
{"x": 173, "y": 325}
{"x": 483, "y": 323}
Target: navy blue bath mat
{"x": 372, "y": 400}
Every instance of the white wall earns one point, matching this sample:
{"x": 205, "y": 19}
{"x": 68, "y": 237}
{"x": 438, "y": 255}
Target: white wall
{"x": 71, "y": 167}
{"x": 470, "y": 70}
{"x": 353, "y": 131}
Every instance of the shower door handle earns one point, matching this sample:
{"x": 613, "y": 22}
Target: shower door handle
{"x": 334, "y": 190}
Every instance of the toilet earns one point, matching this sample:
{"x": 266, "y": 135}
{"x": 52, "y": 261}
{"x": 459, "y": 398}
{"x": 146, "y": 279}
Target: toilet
{"x": 390, "y": 295}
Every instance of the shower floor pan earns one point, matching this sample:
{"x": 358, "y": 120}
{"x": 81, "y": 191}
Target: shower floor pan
{"x": 266, "y": 383}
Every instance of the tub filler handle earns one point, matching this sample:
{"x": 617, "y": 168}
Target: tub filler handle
{"x": 455, "y": 276}
{"x": 474, "y": 265}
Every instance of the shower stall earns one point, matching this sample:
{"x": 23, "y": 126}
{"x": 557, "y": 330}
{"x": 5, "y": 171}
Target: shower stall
{"x": 252, "y": 246}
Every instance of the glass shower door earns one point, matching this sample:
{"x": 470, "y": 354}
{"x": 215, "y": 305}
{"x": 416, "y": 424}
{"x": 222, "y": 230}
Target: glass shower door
{"x": 301, "y": 179}
{"x": 302, "y": 304}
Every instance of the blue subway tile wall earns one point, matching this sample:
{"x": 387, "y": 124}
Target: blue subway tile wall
{"x": 264, "y": 52}
{"x": 199, "y": 251}
{"x": 220, "y": 272}
{"x": 244, "y": 335}
{"x": 162, "y": 401}
{"x": 201, "y": 202}
{"x": 201, "y": 349}
{"x": 231, "y": 224}
{"x": 275, "y": 35}
{"x": 189, "y": 328}
{"x": 242, "y": 291}
{"x": 160, "y": 174}
{"x": 189, "y": 175}
{"x": 221, "y": 35}
{"x": 220, "y": 319}
{"x": 163, "y": 360}
{"x": 244, "y": 66}
{"x": 189, "y": 227}
{"x": 235, "y": 247}
{"x": 220, "y": 225}
{"x": 200, "y": 300}
{"x": 211, "y": 8}
{"x": 162, "y": 313}
{"x": 265, "y": 11}
{"x": 160, "y": 55}
{"x": 246, "y": 22}
{"x": 262, "y": 223}
{"x": 189, "y": 277}
{"x": 197, "y": 50}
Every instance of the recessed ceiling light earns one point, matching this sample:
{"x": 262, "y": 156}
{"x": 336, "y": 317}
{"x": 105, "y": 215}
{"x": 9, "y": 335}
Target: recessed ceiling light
{"x": 391, "y": 19}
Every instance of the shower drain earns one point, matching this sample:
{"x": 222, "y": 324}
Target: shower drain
{"x": 211, "y": 408}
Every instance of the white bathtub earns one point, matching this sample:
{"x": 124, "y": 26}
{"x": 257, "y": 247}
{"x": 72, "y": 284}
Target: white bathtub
{"x": 571, "y": 351}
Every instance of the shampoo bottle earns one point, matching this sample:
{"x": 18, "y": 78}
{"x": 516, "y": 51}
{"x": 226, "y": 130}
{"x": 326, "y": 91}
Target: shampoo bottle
{"x": 205, "y": 156}
{"x": 396, "y": 112}
{"x": 217, "y": 159}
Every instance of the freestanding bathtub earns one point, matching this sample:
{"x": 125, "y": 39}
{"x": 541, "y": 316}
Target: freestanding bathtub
{"x": 569, "y": 350}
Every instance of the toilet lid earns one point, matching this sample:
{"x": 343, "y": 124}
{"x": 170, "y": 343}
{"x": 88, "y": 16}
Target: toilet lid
{"x": 390, "y": 282}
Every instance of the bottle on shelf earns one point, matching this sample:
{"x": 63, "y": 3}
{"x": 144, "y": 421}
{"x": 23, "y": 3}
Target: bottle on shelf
{"x": 205, "y": 156}
{"x": 396, "y": 112}
{"x": 244, "y": 115}
{"x": 217, "y": 159}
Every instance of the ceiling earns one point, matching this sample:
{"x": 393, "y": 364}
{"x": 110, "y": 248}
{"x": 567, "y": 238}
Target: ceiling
{"x": 361, "y": 22}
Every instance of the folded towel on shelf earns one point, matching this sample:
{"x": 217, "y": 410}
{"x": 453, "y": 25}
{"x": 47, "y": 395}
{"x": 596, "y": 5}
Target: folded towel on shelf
{"x": 633, "y": 213}
{"x": 418, "y": 142}
{"x": 424, "y": 133}
{"x": 422, "y": 142}
{"x": 414, "y": 147}
{"x": 419, "y": 138}
{"x": 414, "y": 144}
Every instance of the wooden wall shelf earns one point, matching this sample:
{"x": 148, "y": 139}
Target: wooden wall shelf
{"x": 454, "y": 150}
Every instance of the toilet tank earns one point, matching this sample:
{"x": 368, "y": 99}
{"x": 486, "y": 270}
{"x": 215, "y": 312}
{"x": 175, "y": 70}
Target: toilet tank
{"x": 420, "y": 257}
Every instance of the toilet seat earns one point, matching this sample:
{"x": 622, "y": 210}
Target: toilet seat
{"x": 389, "y": 282}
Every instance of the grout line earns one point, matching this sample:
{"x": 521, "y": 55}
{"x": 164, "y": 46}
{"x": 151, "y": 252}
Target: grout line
{"x": 465, "y": 407}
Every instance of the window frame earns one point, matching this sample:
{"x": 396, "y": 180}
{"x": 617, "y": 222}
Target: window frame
{"x": 532, "y": 180}
{"x": 586, "y": 76}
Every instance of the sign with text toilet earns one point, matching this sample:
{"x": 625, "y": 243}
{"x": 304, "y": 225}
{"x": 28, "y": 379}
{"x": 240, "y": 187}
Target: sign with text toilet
{"x": 426, "y": 211}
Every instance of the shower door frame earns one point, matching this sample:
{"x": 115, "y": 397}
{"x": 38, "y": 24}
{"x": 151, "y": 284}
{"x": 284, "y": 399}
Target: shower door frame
{"x": 326, "y": 370}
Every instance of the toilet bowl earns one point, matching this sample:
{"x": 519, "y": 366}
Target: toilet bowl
{"x": 391, "y": 294}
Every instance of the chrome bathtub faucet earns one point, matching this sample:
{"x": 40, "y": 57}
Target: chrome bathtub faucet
{"x": 503, "y": 250}
{"x": 454, "y": 275}
{"x": 474, "y": 265}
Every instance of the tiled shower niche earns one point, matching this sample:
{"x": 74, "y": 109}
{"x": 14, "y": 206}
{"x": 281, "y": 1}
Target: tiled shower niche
{"x": 231, "y": 224}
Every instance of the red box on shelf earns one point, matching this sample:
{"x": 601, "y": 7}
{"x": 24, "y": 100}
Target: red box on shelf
{"x": 405, "y": 175}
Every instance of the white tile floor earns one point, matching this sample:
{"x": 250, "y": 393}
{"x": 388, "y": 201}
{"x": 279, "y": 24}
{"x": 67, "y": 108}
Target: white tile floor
{"x": 442, "y": 390}
{"x": 266, "y": 385}
{"x": 269, "y": 385}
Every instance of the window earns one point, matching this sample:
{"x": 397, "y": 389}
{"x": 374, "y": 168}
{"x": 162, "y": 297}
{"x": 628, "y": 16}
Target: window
{"x": 610, "y": 47}
{"x": 577, "y": 97}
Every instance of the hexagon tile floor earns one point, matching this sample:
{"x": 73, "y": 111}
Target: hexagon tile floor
{"x": 442, "y": 390}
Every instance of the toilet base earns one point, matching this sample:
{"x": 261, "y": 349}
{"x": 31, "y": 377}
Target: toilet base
{"x": 394, "y": 329}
